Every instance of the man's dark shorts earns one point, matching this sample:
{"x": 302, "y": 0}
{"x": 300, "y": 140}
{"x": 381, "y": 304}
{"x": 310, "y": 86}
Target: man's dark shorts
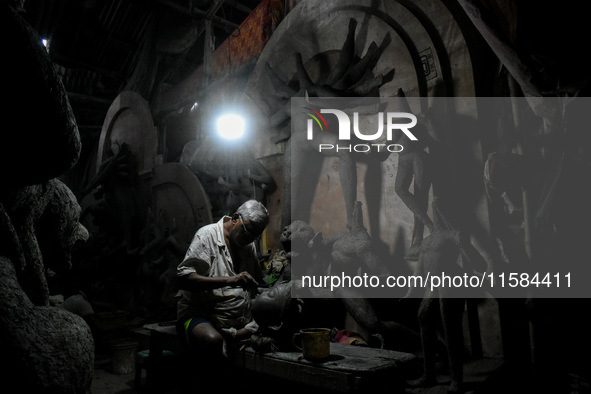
{"x": 184, "y": 327}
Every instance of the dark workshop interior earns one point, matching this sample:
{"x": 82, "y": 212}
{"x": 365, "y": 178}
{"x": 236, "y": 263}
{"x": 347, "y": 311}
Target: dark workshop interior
{"x": 114, "y": 155}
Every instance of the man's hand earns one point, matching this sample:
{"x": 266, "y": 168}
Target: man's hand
{"x": 243, "y": 279}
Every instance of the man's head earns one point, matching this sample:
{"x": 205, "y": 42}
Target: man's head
{"x": 251, "y": 218}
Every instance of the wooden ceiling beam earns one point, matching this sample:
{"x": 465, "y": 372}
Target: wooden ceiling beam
{"x": 200, "y": 14}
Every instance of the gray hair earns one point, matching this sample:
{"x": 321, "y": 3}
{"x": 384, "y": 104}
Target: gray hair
{"x": 255, "y": 212}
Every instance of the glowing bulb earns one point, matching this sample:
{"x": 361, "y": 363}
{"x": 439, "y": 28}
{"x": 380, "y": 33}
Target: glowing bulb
{"x": 230, "y": 126}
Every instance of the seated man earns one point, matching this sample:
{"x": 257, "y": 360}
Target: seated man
{"x": 218, "y": 278}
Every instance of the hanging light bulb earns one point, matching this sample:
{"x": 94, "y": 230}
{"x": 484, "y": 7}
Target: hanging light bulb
{"x": 230, "y": 126}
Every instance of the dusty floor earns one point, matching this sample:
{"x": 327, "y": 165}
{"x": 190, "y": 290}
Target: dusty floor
{"x": 479, "y": 378}
{"x": 107, "y": 382}
{"x": 482, "y": 376}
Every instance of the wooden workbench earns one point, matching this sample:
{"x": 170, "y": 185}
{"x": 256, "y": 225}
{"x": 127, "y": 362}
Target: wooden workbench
{"x": 349, "y": 369}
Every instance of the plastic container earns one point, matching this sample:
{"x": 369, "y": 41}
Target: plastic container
{"x": 123, "y": 354}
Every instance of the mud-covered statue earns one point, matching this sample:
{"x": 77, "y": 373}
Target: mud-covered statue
{"x": 414, "y": 167}
{"x": 350, "y": 77}
{"x": 350, "y": 253}
{"x": 355, "y": 252}
{"x": 296, "y": 240}
{"x": 278, "y": 316}
{"x": 206, "y": 160}
{"x": 230, "y": 175}
{"x": 276, "y": 312}
{"x": 246, "y": 179}
{"x": 45, "y": 349}
{"x": 444, "y": 306}
{"x": 544, "y": 70}
{"x": 505, "y": 175}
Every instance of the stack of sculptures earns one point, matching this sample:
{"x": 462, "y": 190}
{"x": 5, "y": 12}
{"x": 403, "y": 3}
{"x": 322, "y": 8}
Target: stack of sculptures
{"x": 352, "y": 252}
{"x": 414, "y": 167}
{"x": 45, "y": 349}
{"x": 118, "y": 180}
{"x": 556, "y": 210}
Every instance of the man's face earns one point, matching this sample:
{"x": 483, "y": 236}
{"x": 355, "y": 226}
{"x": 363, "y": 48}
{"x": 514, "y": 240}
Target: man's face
{"x": 244, "y": 232}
